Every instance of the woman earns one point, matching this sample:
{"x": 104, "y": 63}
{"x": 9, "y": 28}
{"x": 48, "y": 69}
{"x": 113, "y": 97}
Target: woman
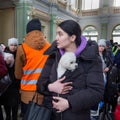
{"x": 72, "y": 96}
{"x": 105, "y": 57}
{"x": 110, "y": 94}
{"x": 11, "y": 98}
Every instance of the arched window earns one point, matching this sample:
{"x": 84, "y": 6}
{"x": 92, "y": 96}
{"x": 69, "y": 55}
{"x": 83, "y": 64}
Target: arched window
{"x": 74, "y": 4}
{"x": 116, "y": 3}
{"x": 116, "y": 34}
{"x": 91, "y": 33}
{"x": 90, "y": 4}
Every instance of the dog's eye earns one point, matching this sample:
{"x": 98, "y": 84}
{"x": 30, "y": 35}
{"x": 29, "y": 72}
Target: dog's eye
{"x": 71, "y": 62}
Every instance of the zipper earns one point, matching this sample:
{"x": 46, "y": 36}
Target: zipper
{"x": 58, "y": 78}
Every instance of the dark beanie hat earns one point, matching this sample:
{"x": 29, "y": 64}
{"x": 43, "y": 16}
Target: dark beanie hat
{"x": 34, "y": 24}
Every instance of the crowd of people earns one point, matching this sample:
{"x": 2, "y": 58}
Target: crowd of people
{"x": 33, "y": 64}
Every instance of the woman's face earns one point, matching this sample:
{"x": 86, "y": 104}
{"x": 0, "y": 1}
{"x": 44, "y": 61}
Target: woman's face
{"x": 13, "y": 47}
{"x": 63, "y": 40}
{"x": 101, "y": 48}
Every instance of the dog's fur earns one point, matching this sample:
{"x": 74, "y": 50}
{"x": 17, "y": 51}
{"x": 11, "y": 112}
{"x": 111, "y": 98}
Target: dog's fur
{"x": 67, "y": 62}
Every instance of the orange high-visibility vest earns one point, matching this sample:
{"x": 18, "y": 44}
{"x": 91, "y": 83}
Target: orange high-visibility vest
{"x": 35, "y": 61}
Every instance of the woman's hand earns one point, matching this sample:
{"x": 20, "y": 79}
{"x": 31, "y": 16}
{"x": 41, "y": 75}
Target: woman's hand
{"x": 106, "y": 69}
{"x": 59, "y": 87}
{"x": 60, "y": 104}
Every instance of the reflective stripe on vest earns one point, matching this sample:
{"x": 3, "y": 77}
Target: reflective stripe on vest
{"x": 29, "y": 82}
{"x": 32, "y": 70}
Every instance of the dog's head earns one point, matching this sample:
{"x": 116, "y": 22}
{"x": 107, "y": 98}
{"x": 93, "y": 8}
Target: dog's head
{"x": 68, "y": 61}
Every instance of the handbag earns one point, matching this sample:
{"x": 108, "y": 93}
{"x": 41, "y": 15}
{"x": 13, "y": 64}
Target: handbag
{"x": 4, "y": 83}
{"x": 106, "y": 114}
{"x": 36, "y": 111}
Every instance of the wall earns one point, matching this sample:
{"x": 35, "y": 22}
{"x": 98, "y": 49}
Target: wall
{"x": 9, "y": 27}
{"x": 7, "y": 24}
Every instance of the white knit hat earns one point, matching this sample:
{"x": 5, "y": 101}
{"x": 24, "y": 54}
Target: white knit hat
{"x": 13, "y": 41}
{"x": 102, "y": 42}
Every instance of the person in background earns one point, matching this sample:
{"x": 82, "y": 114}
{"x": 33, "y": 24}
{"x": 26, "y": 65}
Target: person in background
{"x": 30, "y": 61}
{"x": 105, "y": 57}
{"x": 111, "y": 42}
{"x": 11, "y": 96}
{"x": 117, "y": 62}
{"x": 109, "y": 49}
{"x": 110, "y": 88}
{"x": 71, "y": 96}
{"x": 115, "y": 48}
{"x": 3, "y": 72}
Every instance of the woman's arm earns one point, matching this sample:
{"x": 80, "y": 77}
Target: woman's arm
{"x": 45, "y": 86}
{"x": 3, "y": 68}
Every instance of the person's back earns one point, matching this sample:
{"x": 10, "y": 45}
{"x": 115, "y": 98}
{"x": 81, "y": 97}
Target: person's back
{"x": 30, "y": 61}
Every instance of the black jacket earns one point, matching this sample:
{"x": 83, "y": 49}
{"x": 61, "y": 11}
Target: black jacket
{"x": 88, "y": 85}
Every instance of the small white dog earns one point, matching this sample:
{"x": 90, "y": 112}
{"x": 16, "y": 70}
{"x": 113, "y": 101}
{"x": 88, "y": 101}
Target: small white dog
{"x": 67, "y": 62}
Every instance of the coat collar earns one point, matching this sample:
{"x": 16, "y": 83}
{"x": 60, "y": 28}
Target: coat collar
{"x": 89, "y": 53}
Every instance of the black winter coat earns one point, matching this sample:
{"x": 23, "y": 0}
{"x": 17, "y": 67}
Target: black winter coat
{"x": 88, "y": 84}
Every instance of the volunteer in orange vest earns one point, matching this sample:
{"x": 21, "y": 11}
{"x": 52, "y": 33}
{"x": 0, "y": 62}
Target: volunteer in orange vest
{"x": 30, "y": 62}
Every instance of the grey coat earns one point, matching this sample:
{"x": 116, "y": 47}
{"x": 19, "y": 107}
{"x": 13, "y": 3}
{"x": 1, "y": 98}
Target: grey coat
{"x": 88, "y": 85}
